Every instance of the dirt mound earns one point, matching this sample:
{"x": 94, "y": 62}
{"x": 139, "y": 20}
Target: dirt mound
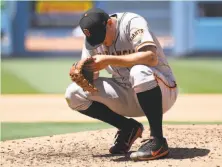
{"x": 190, "y": 145}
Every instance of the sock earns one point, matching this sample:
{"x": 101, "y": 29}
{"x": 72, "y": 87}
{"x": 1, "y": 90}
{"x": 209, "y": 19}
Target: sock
{"x": 151, "y": 103}
{"x": 103, "y": 113}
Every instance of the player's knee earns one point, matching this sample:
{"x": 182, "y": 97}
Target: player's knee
{"x": 76, "y": 98}
{"x": 142, "y": 78}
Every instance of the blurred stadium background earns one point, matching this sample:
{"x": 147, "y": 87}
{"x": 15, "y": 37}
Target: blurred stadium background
{"x": 40, "y": 40}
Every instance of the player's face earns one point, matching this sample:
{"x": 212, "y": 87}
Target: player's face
{"x": 110, "y": 33}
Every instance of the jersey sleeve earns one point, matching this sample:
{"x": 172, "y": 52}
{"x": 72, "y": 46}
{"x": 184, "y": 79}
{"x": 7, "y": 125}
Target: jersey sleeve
{"x": 139, "y": 34}
{"x": 87, "y": 53}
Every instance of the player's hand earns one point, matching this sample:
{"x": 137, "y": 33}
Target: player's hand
{"x": 100, "y": 62}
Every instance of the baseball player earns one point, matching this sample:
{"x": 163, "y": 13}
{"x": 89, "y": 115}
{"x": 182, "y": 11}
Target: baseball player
{"x": 142, "y": 82}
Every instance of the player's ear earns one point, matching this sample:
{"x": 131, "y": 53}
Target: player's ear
{"x": 109, "y": 22}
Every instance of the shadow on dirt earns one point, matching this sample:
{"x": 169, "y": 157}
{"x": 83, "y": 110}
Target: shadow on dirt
{"x": 175, "y": 153}
{"x": 187, "y": 153}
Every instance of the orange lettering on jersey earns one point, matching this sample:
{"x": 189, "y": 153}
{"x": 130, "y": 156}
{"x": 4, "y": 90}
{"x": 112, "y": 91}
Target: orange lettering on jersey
{"x": 106, "y": 53}
{"x": 125, "y": 52}
{"x": 131, "y": 51}
{"x": 118, "y": 52}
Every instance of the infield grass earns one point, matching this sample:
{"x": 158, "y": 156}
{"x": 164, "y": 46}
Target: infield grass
{"x": 12, "y": 84}
{"x": 51, "y": 75}
{"x": 11, "y": 131}
{"x": 198, "y": 75}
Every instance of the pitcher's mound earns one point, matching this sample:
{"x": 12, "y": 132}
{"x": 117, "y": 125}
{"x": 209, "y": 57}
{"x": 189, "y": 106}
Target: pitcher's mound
{"x": 190, "y": 145}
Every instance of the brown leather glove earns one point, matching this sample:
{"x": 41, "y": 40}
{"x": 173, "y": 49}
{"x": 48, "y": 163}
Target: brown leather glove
{"x": 82, "y": 76}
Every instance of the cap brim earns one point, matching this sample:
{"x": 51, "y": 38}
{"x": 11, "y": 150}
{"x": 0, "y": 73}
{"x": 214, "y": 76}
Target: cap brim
{"x": 90, "y": 46}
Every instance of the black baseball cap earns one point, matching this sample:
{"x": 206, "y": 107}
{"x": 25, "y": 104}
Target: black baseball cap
{"x": 93, "y": 24}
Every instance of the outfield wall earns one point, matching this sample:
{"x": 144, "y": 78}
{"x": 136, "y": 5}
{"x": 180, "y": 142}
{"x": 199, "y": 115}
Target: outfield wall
{"x": 186, "y": 23}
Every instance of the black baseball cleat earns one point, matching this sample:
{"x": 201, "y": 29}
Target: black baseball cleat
{"x": 153, "y": 149}
{"x": 125, "y": 139}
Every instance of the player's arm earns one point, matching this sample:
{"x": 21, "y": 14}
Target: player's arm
{"x": 146, "y": 55}
{"x": 142, "y": 41}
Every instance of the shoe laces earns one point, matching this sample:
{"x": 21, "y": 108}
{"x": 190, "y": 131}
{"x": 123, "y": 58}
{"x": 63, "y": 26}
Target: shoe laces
{"x": 150, "y": 143}
{"x": 122, "y": 136}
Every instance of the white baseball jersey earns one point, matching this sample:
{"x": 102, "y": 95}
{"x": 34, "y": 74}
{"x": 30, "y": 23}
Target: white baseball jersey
{"x": 133, "y": 32}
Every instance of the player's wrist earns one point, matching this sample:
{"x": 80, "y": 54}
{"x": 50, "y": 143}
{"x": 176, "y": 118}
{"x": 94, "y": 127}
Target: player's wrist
{"x": 110, "y": 60}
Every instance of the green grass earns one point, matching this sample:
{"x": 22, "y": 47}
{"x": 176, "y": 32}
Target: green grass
{"x": 46, "y": 75}
{"x": 12, "y": 84}
{"x": 10, "y": 131}
{"x": 198, "y": 76}
{"x": 51, "y": 75}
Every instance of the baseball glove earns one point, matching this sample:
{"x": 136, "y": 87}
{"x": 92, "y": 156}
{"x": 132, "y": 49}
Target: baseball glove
{"x": 82, "y": 76}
